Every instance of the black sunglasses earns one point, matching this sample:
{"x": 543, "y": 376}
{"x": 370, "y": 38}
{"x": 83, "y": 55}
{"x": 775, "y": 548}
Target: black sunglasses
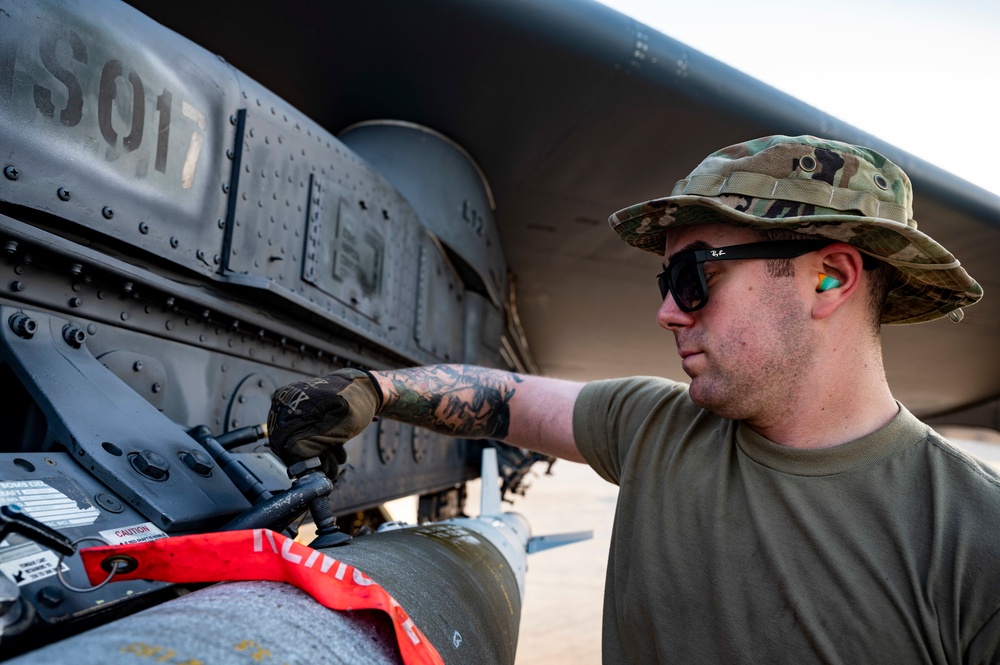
{"x": 685, "y": 277}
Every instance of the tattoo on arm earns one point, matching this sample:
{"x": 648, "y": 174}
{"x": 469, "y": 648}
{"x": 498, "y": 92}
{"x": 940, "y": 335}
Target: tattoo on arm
{"x": 460, "y": 400}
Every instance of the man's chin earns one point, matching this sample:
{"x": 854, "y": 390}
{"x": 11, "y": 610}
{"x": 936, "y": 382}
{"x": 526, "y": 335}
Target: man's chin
{"x": 703, "y": 396}
{"x": 699, "y": 393}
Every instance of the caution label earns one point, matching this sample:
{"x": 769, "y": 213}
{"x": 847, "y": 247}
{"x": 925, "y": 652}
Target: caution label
{"x": 31, "y": 568}
{"x": 137, "y": 533}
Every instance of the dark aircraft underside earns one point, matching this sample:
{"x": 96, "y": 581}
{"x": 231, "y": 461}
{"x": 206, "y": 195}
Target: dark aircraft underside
{"x": 573, "y": 111}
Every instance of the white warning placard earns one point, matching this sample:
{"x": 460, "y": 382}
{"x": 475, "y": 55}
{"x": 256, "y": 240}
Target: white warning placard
{"x": 54, "y": 502}
{"x": 137, "y": 533}
{"x": 31, "y": 568}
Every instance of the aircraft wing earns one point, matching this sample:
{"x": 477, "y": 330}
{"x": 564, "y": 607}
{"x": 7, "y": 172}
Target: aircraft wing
{"x": 573, "y": 111}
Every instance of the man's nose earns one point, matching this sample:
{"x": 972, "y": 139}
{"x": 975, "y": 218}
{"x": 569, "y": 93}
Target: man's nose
{"x": 672, "y": 317}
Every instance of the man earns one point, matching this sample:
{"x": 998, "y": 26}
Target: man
{"x": 783, "y": 507}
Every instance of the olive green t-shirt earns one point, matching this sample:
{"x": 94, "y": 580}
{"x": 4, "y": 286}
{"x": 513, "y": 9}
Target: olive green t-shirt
{"x": 728, "y": 548}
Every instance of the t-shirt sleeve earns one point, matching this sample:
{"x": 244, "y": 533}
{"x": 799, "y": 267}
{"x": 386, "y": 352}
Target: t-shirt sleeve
{"x": 608, "y": 415}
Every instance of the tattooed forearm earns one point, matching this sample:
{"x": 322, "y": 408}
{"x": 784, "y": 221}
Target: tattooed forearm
{"x": 460, "y": 400}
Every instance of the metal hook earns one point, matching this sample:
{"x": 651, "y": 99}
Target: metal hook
{"x": 117, "y": 563}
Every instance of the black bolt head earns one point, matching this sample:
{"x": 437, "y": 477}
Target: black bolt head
{"x": 198, "y": 462}
{"x": 150, "y": 464}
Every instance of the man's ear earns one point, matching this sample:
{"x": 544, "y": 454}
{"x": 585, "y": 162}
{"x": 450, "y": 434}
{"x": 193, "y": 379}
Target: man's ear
{"x": 837, "y": 277}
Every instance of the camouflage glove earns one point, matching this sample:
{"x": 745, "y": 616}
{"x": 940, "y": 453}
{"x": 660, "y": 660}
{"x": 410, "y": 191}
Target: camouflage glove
{"x": 315, "y": 418}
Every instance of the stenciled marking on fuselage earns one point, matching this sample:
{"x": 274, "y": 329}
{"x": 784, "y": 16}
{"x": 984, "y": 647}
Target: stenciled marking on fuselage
{"x": 64, "y": 56}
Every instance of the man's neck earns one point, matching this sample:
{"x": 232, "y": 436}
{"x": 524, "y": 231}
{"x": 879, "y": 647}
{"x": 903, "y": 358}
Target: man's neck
{"x": 833, "y": 407}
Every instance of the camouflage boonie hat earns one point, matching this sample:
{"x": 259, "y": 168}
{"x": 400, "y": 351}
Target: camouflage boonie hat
{"x": 814, "y": 186}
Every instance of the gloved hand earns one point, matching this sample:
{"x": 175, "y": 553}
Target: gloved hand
{"x": 315, "y": 418}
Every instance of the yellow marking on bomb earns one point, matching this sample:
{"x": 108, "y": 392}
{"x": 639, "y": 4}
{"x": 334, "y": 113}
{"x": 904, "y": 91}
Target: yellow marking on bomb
{"x": 158, "y": 654}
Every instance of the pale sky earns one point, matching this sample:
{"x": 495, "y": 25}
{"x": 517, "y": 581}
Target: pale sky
{"x": 920, "y": 75}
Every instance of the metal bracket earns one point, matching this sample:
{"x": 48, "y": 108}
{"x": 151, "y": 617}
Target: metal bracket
{"x": 107, "y": 427}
